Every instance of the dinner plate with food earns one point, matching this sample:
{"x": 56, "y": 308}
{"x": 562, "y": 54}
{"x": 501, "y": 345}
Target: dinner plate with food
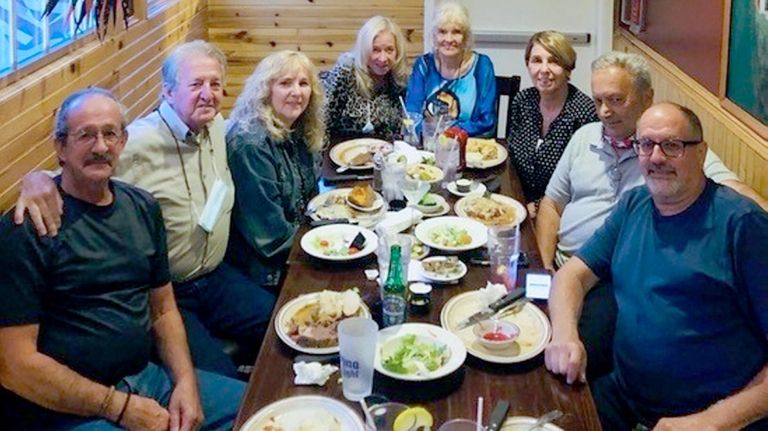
{"x": 308, "y": 323}
{"x": 337, "y": 204}
{"x": 422, "y": 172}
{"x": 525, "y": 423}
{"x": 418, "y": 249}
{"x": 418, "y": 352}
{"x": 305, "y": 412}
{"x": 339, "y": 242}
{"x": 452, "y": 233}
{"x": 494, "y": 210}
{"x": 433, "y": 205}
{"x": 484, "y": 153}
{"x": 356, "y": 154}
{"x": 533, "y": 336}
{"x": 443, "y": 269}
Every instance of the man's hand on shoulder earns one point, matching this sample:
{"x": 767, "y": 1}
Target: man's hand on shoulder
{"x": 184, "y": 407}
{"x": 41, "y": 200}
{"x": 567, "y": 357}
{"x": 145, "y": 414}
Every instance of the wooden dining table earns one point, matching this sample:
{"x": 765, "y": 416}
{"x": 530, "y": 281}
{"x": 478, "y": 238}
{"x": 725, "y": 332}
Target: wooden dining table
{"x": 530, "y": 389}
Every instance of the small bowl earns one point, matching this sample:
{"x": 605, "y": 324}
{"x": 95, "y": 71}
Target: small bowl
{"x": 496, "y": 334}
{"x": 428, "y": 209}
{"x": 463, "y": 185}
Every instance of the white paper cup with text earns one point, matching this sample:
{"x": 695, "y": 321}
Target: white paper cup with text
{"x": 357, "y": 350}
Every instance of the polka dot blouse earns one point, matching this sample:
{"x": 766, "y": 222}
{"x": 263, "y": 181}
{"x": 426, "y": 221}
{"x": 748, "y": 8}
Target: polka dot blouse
{"x": 535, "y": 162}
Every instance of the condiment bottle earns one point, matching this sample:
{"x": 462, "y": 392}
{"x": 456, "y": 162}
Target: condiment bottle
{"x": 420, "y": 298}
{"x": 393, "y": 303}
{"x": 460, "y": 135}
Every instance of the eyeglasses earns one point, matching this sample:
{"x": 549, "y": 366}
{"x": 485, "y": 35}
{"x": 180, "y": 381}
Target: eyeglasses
{"x": 89, "y": 136}
{"x": 670, "y": 147}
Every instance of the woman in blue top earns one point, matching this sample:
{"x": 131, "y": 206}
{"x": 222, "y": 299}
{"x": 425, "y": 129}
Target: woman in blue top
{"x": 275, "y": 131}
{"x": 454, "y": 81}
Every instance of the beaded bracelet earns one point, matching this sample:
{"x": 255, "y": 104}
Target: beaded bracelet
{"x": 107, "y": 400}
{"x": 125, "y": 407}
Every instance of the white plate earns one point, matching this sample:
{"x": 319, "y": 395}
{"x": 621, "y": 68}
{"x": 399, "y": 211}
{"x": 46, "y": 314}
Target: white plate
{"x": 343, "y": 152}
{"x": 339, "y": 233}
{"x": 296, "y": 410}
{"x": 501, "y": 156}
{"x": 458, "y": 353}
{"x": 290, "y": 309}
{"x": 475, "y": 229}
{"x": 520, "y": 213}
{"x": 436, "y": 174}
{"x": 524, "y": 423}
{"x": 341, "y": 209}
{"x": 449, "y": 278}
{"x": 378, "y": 203}
{"x": 442, "y": 207}
{"x": 478, "y": 188}
{"x": 535, "y": 329}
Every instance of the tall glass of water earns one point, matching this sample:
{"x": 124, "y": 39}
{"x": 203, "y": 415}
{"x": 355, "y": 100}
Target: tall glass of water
{"x": 357, "y": 350}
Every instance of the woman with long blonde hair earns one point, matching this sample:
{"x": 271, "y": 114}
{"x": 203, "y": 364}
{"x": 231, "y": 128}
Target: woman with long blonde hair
{"x": 453, "y": 81}
{"x": 366, "y": 83}
{"x": 275, "y": 131}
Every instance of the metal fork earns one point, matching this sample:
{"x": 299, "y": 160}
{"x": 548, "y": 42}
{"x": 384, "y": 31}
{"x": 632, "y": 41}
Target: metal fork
{"x": 545, "y": 419}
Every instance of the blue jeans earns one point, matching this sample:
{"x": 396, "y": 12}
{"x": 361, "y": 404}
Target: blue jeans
{"x": 220, "y": 397}
{"x": 223, "y": 304}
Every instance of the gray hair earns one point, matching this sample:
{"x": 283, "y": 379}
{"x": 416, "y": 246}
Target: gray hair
{"x": 185, "y": 50}
{"x": 451, "y": 13}
{"x": 636, "y": 65}
{"x": 61, "y": 125}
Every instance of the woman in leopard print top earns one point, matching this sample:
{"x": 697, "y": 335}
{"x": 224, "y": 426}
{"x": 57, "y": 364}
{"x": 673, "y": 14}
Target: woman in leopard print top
{"x": 364, "y": 86}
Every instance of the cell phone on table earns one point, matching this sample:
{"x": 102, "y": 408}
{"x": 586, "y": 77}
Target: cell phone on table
{"x": 537, "y": 285}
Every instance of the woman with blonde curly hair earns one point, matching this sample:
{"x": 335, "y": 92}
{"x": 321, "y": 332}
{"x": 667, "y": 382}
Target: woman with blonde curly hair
{"x": 364, "y": 86}
{"x": 275, "y": 131}
{"x": 454, "y": 81}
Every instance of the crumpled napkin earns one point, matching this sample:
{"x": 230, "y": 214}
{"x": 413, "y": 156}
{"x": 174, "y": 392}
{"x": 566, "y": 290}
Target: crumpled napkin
{"x": 395, "y": 222}
{"x": 312, "y": 373}
{"x": 411, "y": 154}
{"x": 491, "y": 292}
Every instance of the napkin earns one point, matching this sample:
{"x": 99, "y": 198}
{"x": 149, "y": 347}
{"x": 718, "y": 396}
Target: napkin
{"x": 411, "y": 154}
{"x": 491, "y": 292}
{"x": 395, "y": 222}
{"x": 312, "y": 373}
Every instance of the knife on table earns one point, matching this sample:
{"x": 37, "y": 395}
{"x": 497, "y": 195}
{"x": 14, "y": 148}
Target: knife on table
{"x": 498, "y": 415}
{"x": 493, "y": 308}
{"x": 332, "y": 358}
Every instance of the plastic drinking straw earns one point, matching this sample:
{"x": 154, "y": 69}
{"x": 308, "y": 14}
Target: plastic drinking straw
{"x": 479, "y": 412}
{"x": 437, "y": 127}
{"x": 405, "y": 110}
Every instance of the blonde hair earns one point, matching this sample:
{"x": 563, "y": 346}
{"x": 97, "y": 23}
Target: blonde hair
{"x": 454, "y": 14}
{"x": 253, "y": 107}
{"x": 363, "y": 48}
{"x": 557, "y": 45}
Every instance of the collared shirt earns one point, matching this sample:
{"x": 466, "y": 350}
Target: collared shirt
{"x": 590, "y": 178}
{"x": 179, "y": 169}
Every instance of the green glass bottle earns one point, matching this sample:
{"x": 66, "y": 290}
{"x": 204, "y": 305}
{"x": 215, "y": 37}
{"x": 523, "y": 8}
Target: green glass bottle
{"x": 393, "y": 303}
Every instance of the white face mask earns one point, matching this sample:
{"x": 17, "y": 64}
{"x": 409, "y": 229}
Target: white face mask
{"x": 212, "y": 210}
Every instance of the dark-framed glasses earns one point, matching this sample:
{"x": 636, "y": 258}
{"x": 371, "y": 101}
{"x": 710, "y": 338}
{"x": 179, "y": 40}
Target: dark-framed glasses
{"x": 110, "y": 135}
{"x": 670, "y": 147}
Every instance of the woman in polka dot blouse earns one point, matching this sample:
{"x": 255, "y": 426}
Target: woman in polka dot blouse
{"x": 543, "y": 118}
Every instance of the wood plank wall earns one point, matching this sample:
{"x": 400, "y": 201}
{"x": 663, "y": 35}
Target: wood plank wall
{"x": 740, "y": 148}
{"x": 127, "y": 63}
{"x": 249, "y": 30}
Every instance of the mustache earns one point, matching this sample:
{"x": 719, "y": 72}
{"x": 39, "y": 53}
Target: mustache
{"x": 100, "y": 158}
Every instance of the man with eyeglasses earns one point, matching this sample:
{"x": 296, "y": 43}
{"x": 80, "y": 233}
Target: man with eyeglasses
{"x": 597, "y": 167}
{"x": 178, "y": 154}
{"x": 81, "y": 311}
{"x": 688, "y": 263}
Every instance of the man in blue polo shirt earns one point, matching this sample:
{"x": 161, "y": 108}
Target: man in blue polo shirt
{"x": 687, "y": 261}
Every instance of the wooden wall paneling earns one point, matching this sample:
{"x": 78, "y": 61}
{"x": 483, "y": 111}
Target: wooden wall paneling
{"x": 127, "y": 62}
{"x": 740, "y": 147}
{"x": 249, "y": 30}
